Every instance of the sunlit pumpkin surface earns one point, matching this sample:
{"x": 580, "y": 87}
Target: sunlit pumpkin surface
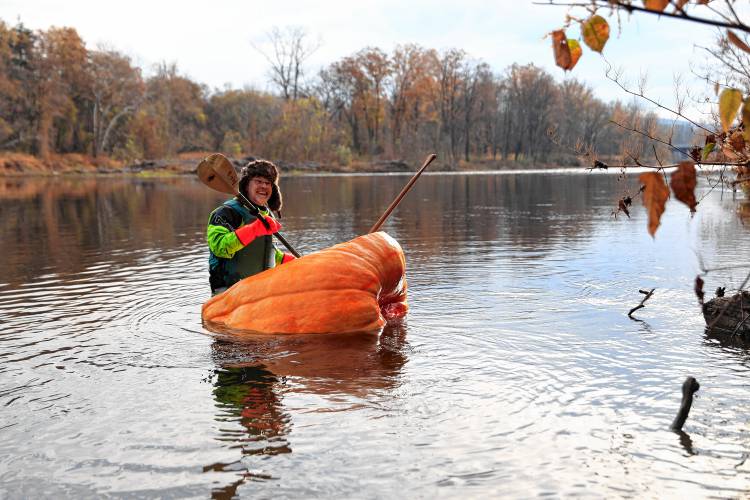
{"x": 516, "y": 372}
{"x": 355, "y": 286}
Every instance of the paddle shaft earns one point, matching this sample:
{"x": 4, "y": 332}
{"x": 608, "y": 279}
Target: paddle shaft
{"x": 401, "y": 195}
{"x": 254, "y": 210}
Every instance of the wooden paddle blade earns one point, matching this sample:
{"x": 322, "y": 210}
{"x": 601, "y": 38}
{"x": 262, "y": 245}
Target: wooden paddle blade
{"x": 217, "y": 172}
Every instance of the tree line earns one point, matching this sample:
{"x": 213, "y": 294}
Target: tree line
{"x": 57, "y": 96}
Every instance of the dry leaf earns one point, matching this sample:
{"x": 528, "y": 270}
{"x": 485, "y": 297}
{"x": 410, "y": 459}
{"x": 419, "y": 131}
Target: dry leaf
{"x": 595, "y": 32}
{"x": 655, "y": 194}
{"x": 729, "y": 103}
{"x": 657, "y": 5}
{"x": 623, "y": 205}
{"x": 683, "y": 184}
{"x": 737, "y": 41}
{"x": 699, "y": 289}
{"x": 561, "y": 50}
{"x": 737, "y": 142}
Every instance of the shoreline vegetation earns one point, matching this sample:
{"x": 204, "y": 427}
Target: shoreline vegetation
{"x": 14, "y": 164}
{"x": 66, "y": 108}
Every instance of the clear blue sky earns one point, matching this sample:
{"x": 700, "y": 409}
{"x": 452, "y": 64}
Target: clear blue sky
{"x": 211, "y": 40}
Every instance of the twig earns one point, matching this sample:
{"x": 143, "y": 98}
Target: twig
{"x": 616, "y": 80}
{"x": 616, "y": 5}
{"x": 642, "y": 304}
{"x": 603, "y": 166}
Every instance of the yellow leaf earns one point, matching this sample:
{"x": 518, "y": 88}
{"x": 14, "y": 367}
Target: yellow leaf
{"x": 575, "y": 52}
{"x": 746, "y": 119}
{"x": 729, "y": 104}
{"x": 655, "y": 196}
{"x": 657, "y": 5}
{"x": 595, "y": 31}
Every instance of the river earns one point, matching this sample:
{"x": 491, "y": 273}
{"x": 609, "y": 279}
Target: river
{"x": 517, "y": 372}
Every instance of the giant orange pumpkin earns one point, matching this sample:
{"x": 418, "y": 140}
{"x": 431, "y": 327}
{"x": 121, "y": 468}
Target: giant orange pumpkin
{"x": 350, "y": 287}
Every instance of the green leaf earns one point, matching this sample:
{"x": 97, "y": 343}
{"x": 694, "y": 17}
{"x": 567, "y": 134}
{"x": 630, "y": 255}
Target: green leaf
{"x": 707, "y": 150}
{"x": 729, "y": 103}
{"x": 595, "y": 31}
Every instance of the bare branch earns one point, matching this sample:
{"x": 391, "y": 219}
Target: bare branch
{"x": 617, "y": 5}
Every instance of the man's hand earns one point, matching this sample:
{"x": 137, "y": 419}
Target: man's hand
{"x": 255, "y": 229}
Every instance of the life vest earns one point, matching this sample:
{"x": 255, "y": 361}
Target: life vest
{"x": 255, "y": 257}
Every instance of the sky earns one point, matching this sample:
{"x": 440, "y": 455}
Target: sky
{"x": 212, "y": 42}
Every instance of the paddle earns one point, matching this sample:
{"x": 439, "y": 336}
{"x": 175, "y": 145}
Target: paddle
{"x": 401, "y": 195}
{"x": 216, "y": 172}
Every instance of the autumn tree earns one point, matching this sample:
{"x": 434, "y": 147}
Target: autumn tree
{"x": 60, "y": 79}
{"x": 174, "y": 114}
{"x": 240, "y": 120}
{"x": 410, "y": 91}
{"x": 116, "y": 91}
{"x": 17, "y": 116}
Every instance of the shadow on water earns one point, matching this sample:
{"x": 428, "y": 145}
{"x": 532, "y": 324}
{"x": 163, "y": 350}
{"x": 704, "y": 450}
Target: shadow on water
{"x": 253, "y": 375}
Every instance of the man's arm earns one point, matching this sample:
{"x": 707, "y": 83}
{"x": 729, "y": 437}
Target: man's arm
{"x": 222, "y": 239}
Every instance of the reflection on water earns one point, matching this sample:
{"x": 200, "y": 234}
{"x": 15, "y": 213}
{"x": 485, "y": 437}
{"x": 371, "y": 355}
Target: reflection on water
{"x": 517, "y": 372}
{"x": 252, "y": 378}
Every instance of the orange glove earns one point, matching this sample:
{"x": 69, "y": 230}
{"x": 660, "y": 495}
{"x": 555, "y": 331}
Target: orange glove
{"x": 249, "y": 232}
{"x": 287, "y": 258}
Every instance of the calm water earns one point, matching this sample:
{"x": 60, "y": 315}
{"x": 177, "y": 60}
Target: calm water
{"x": 517, "y": 372}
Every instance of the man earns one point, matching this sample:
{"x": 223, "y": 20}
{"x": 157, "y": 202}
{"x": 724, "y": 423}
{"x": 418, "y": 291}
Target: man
{"x": 240, "y": 243}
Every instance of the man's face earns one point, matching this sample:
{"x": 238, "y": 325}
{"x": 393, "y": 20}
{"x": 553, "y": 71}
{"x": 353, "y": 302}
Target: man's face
{"x": 259, "y": 190}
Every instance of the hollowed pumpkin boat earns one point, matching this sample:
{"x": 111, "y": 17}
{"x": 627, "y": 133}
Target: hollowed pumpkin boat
{"x": 356, "y": 286}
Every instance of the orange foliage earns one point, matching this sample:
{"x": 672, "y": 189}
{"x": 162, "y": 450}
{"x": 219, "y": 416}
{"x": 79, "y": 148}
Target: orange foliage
{"x": 655, "y": 197}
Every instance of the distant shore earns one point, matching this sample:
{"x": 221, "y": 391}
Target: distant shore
{"x": 19, "y": 164}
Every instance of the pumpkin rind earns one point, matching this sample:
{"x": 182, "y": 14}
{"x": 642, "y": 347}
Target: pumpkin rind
{"x": 343, "y": 288}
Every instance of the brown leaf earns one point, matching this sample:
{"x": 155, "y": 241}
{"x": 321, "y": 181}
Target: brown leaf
{"x": 737, "y": 41}
{"x": 734, "y": 146}
{"x": 655, "y": 194}
{"x": 561, "y": 50}
{"x": 683, "y": 184}
{"x": 623, "y": 205}
{"x": 681, "y": 4}
{"x": 737, "y": 141}
{"x": 699, "y": 289}
{"x": 657, "y": 5}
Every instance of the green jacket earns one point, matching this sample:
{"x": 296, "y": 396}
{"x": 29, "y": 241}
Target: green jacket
{"x": 229, "y": 260}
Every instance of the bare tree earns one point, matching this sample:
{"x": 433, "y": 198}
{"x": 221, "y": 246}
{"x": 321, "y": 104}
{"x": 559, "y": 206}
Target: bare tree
{"x": 286, "y": 52}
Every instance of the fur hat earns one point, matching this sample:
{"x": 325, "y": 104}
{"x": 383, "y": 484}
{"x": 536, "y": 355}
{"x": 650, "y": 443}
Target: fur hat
{"x": 267, "y": 170}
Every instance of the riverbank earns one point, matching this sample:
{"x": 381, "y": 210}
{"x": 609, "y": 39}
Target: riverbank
{"x": 19, "y": 164}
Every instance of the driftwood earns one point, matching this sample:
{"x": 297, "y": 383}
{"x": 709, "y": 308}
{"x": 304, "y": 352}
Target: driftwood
{"x": 648, "y": 295}
{"x": 688, "y": 389}
{"x": 729, "y": 315}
